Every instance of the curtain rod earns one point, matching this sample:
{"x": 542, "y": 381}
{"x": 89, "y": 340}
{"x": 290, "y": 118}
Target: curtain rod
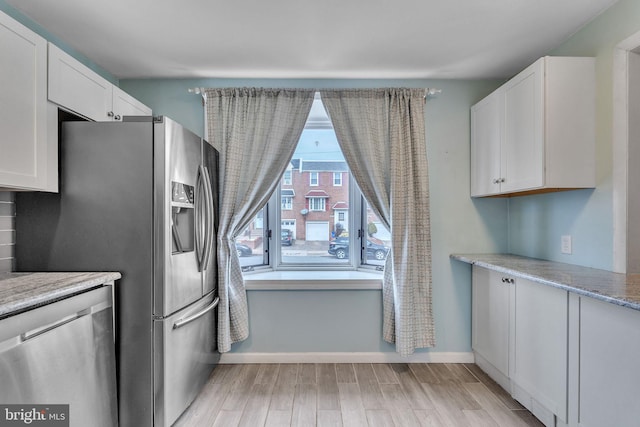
{"x": 430, "y": 91}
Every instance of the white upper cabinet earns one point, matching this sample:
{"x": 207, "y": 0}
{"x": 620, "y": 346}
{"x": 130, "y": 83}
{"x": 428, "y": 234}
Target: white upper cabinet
{"x": 522, "y": 160}
{"x": 26, "y": 155}
{"x": 126, "y": 105}
{"x": 539, "y": 128}
{"x": 486, "y": 125}
{"x": 76, "y": 87}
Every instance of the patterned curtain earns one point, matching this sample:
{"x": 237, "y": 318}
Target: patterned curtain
{"x": 382, "y": 135}
{"x": 257, "y": 131}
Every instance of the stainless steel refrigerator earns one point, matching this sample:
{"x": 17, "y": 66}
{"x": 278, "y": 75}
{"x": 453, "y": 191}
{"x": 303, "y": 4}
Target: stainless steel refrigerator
{"x": 138, "y": 197}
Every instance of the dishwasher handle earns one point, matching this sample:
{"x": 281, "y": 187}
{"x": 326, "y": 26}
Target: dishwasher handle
{"x": 186, "y": 320}
{"x": 63, "y": 321}
{"x": 39, "y": 331}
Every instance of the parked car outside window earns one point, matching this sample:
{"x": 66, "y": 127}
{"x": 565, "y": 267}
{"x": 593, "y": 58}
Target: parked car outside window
{"x": 243, "y": 250}
{"x": 286, "y": 237}
{"x": 339, "y": 247}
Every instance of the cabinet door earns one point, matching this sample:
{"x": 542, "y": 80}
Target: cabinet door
{"x": 126, "y": 105}
{"x": 609, "y": 374}
{"x": 486, "y": 136}
{"x": 23, "y": 106}
{"x": 523, "y": 144}
{"x": 539, "y": 353}
{"x": 76, "y": 87}
{"x": 490, "y": 324}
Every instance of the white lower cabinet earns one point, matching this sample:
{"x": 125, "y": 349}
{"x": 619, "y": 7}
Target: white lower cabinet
{"x": 609, "y": 365}
{"x": 519, "y": 338}
{"x": 571, "y": 359}
{"x": 539, "y": 354}
{"x": 490, "y": 313}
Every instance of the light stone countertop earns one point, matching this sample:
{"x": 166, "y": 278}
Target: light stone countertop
{"x": 23, "y": 291}
{"x": 616, "y": 288}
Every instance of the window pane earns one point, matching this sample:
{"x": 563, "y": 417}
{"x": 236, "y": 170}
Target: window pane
{"x": 378, "y": 240}
{"x": 286, "y": 179}
{"x": 315, "y": 224}
{"x": 250, "y": 244}
{"x": 287, "y": 203}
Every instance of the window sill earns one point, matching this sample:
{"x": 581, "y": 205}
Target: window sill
{"x": 312, "y": 280}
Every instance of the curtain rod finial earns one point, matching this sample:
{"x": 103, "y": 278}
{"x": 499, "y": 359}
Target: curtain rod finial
{"x": 432, "y": 92}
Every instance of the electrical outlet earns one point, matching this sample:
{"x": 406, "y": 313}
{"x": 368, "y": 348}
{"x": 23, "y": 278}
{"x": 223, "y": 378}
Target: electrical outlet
{"x": 565, "y": 244}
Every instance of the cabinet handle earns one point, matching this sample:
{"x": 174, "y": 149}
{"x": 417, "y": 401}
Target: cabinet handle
{"x": 110, "y": 114}
{"x": 502, "y": 180}
{"x": 496, "y": 181}
{"x": 508, "y": 280}
{"x": 117, "y": 117}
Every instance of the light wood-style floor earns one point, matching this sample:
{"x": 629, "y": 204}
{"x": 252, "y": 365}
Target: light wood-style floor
{"x": 353, "y": 395}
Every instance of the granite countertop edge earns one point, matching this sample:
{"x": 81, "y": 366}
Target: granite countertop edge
{"x": 20, "y": 292}
{"x": 616, "y": 288}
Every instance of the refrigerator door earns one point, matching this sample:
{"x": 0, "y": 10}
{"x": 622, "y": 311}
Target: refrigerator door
{"x": 184, "y": 356}
{"x": 210, "y": 163}
{"x": 178, "y": 201}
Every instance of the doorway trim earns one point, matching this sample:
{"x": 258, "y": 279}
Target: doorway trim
{"x": 626, "y": 152}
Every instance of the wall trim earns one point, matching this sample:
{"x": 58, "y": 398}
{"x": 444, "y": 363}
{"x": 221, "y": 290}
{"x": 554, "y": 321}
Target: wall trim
{"x": 346, "y": 357}
{"x": 621, "y": 139}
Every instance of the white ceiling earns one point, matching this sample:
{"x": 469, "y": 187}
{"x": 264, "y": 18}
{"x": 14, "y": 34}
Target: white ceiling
{"x": 461, "y": 39}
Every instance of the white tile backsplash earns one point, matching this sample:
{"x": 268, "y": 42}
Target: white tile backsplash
{"x": 7, "y": 231}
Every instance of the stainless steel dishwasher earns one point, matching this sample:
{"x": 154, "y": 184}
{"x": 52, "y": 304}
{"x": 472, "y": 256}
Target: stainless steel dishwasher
{"x": 63, "y": 354}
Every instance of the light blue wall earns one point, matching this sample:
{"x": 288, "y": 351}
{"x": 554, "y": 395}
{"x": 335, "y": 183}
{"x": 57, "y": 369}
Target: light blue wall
{"x": 339, "y": 321}
{"x": 537, "y": 222}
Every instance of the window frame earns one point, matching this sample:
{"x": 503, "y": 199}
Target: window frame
{"x": 289, "y": 204}
{"x": 314, "y": 200}
{"x": 272, "y": 256}
{"x": 337, "y": 183}
{"x": 273, "y": 259}
{"x": 287, "y": 177}
{"x": 317, "y": 179}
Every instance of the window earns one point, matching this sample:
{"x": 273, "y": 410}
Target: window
{"x": 252, "y": 245}
{"x": 287, "y": 203}
{"x": 317, "y": 219}
{"x": 317, "y": 204}
{"x": 286, "y": 178}
{"x": 378, "y": 238}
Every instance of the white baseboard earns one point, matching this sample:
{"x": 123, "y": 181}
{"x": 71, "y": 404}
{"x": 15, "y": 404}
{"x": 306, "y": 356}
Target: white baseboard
{"x": 323, "y": 357}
